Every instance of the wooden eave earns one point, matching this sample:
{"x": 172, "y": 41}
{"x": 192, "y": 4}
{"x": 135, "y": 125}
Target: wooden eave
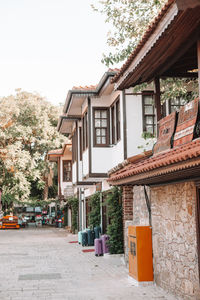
{"x": 189, "y": 170}
{"x": 169, "y": 51}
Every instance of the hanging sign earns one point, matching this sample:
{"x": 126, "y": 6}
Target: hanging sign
{"x": 166, "y": 131}
{"x": 186, "y": 123}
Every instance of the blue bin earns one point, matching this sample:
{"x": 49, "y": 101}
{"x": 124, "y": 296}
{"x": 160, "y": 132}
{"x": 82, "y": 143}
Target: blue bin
{"x": 97, "y": 231}
{"x": 80, "y": 237}
{"x": 91, "y": 236}
{"x": 84, "y": 238}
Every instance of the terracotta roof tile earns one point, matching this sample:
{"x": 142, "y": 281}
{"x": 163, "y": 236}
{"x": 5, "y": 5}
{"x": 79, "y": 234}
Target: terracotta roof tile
{"x": 85, "y": 88}
{"x": 145, "y": 37}
{"x": 113, "y": 70}
{"x": 56, "y": 151}
{"x": 171, "y": 157}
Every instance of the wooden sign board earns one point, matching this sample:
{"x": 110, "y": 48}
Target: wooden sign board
{"x": 68, "y": 192}
{"x": 186, "y": 123}
{"x": 166, "y": 131}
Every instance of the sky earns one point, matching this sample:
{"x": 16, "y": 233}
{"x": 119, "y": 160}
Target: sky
{"x": 49, "y": 46}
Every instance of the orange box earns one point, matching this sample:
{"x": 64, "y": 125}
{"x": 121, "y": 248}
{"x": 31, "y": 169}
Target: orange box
{"x": 9, "y": 222}
{"x": 140, "y": 253}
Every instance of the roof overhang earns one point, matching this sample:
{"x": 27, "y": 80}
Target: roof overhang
{"x": 65, "y": 124}
{"x": 79, "y": 95}
{"x": 168, "y": 48}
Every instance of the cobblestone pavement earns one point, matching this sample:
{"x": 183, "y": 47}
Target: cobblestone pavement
{"x": 42, "y": 264}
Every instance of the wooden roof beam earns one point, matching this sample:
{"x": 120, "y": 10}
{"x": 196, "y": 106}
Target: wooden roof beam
{"x": 185, "y": 4}
{"x": 180, "y": 75}
{"x": 198, "y": 57}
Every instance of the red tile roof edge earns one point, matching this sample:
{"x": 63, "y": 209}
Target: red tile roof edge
{"x": 165, "y": 159}
{"x": 145, "y": 37}
{"x": 55, "y": 152}
{"x": 93, "y": 87}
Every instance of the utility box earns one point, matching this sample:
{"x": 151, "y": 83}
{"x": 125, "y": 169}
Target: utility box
{"x": 140, "y": 253}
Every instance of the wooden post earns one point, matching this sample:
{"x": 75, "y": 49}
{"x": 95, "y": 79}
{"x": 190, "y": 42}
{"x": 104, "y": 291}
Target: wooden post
{"x": 59, "y": 181}
{"x": 157, "y": 98}
{"x": 198, "y": 58}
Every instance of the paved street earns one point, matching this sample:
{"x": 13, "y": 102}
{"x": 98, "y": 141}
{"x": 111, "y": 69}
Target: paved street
{"x": 42, "y": 264}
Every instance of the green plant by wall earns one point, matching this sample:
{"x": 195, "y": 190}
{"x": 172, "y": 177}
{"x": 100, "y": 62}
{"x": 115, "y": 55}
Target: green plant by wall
{"x": 115, "y": 228}
{"x": 66, "y": 215}
{"x": 73, "y": 203}
{"x": 94, "y": 215}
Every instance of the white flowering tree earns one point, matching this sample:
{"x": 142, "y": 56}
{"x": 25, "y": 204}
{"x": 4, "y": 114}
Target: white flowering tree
{"x": 27, "y": 133}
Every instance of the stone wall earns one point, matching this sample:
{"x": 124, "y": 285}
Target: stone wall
{"x": 174, "y": 239}
{"x": 126, "y": 248}
{"x": 140, "y": 211}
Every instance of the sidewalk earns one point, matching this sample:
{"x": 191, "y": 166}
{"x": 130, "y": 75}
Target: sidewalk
{"x": 43, "y": 264}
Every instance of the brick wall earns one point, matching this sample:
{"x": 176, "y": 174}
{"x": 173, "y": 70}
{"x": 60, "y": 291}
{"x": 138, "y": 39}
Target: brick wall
{"x": 127, "y": 201}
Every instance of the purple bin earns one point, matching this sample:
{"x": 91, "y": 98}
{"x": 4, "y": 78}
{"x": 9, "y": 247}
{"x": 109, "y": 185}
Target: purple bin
{"x": 98, "y": 247}
{"x": 105, "y": 247}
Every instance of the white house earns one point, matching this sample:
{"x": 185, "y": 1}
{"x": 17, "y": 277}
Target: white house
{"x": 63, "y": 158}
{"x": 106, "y": 127}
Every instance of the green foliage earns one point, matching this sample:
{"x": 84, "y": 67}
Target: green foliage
{"x": 66, "y": 215}
{"x": 7, "y": 203}
{"x": 115, "y": 228}
{"x": 73, "y": 204}
{"x": 128, "y": 20}
{"x": 94, "y": 215}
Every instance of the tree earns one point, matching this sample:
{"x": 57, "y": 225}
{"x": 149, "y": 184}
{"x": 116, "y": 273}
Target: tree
{"x": 27, "y": 133}
{"x": 115, "y": 228}
{"x": 129, "y": 20}
{"x": 94, "y": 215}
{"x": 73, "y": 204}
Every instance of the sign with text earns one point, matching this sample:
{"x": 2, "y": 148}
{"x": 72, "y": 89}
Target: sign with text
{"x": 166, "y": 131}
{"x": 68, "y": 192}
{"x": 186, "y": 123}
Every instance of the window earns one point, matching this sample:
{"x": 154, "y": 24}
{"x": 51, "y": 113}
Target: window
{"x": 149, "y": 116}
{"x": 85, "y": 130}
{"x": 118, "y": 120}
{"x": 67, "y": 170}
{"x": 175, "y": 104}
{"x": 80, "y": 142}
{"x": 115, "y": 121}
{"x": 100, "y": 127}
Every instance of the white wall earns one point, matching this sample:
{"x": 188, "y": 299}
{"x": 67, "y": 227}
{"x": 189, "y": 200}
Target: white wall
{"x": 69, "y": 217}
{"x": 134, "y": 125}
{"x": 74, "y": 173}
{"x": 90, "y": 191}
{"x": 105, "y": 158}
{"x": 85, "y": 165}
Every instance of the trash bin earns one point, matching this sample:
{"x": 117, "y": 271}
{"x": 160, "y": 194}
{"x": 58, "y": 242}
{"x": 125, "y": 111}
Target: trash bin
{"x": 84, "y": 238}
{"x": 91, "y": 236}
{"x": 97, "y": 231}
{"x": 98, "y": 247}
{"x": 105, "y": 247}
{"x": 80, "y": 237}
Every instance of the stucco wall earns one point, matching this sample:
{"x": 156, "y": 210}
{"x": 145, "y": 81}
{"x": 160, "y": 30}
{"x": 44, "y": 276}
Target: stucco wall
{"x": 174, "y": 239}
